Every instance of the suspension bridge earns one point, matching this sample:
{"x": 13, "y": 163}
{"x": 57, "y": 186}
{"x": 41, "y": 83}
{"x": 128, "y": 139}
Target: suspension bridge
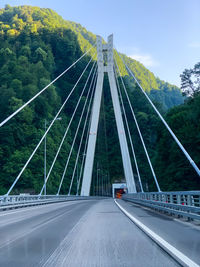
{"x": 90, "y": 227}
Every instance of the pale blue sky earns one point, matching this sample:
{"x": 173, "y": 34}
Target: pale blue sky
{"x": 162, "y": 34}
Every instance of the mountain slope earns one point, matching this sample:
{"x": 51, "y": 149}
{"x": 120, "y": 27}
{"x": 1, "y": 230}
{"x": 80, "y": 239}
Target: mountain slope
{"x": 13, "y": 20}
{"x": 35, "y": 46}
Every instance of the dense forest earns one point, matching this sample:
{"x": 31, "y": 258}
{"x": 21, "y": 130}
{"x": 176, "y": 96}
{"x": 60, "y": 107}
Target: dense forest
{"x": 31, "y": 56}
{"x": 35, "y": 46}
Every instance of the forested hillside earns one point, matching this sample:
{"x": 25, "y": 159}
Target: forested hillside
{"x": 173, "y": 168}
{"x": 34, "y": 20}
{"x": 31, "y": 55}
{"x": 35, "y": 46}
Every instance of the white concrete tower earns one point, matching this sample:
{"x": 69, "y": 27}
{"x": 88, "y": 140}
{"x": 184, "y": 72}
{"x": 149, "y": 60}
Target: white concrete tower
{"x": 87, "y": 175}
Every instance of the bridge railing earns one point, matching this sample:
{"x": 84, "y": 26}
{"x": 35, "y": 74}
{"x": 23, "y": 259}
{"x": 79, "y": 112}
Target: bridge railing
{"x": 24, "y": 200}
{"x": 13, "y": 199}
{"x": 185, "y": 203}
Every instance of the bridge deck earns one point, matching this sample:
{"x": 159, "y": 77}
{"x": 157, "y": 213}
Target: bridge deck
{"x": 87, "y": 233}
{"x": 181, "y": 234}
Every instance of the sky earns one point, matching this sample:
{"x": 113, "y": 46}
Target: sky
{"x": 164, "y": 35}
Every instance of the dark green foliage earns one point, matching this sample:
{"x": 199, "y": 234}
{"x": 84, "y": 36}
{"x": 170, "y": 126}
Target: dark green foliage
{"x": 148, "y": 122}
{"x": 159, "y": 91}
{"x": 169, "y": 95}
{"x": 190, "y": 81}
{"x": 174, "y": 170}
{"x": 36, "y": 45}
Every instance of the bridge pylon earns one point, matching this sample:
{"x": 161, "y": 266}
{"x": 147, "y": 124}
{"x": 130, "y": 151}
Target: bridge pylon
{"x": 103, "y": 67}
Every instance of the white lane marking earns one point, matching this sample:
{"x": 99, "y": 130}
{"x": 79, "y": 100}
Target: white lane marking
{"x": 175, "y": 253}
{"x": 37, "y": 207}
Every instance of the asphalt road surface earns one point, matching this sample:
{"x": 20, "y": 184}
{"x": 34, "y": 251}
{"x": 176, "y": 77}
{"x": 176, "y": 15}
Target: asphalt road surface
{"x": 180, "y": 233}
{"x": 76, "y": 234}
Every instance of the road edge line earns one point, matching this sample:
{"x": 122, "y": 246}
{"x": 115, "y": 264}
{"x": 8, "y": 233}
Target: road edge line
{"x": 175, "y": 253}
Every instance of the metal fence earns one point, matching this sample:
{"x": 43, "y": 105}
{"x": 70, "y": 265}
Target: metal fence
{"x": 184, "y": 204}
{"x": 24, "y": 200}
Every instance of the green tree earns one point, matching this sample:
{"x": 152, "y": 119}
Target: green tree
{"x": 190, "y": 81}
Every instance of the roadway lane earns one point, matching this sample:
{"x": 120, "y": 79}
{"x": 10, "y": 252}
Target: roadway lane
{"x": 77, "y": 233}
{"x": 183, "y": 235}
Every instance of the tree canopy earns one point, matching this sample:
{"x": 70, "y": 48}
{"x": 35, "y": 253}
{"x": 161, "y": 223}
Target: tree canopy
{"x": 190, "y": 81}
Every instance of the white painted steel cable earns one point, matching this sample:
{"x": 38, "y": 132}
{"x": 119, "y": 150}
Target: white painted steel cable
{"x": 67, "y": 129}
{"x": 164, "y": 122}
{"x": 71, "y": 150}
{"x": 72, "y": 146}
{"x": 81, "y": 140}
{"x": 140, "y": 134}
{"x": 29, "y": 101}
{"x": 128, "y": 129}
{"x": 36, "y": 148}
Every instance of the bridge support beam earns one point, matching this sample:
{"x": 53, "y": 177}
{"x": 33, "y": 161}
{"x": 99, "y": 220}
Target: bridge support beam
{"x": 89, "y": 161}
{"x": 87, "y": 175}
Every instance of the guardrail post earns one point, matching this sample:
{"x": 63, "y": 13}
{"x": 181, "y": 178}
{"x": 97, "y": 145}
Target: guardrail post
{"x": 178, "y": 199}
{"x": 189, "y": 202}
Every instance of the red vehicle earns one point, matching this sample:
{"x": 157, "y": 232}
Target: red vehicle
{"x": 119, "y": 192}
{"x": 119, "y": 189}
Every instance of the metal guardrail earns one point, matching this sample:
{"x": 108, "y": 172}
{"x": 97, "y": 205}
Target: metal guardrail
{"x": 185, "y": 203}
{"x": 20, "y": 201}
